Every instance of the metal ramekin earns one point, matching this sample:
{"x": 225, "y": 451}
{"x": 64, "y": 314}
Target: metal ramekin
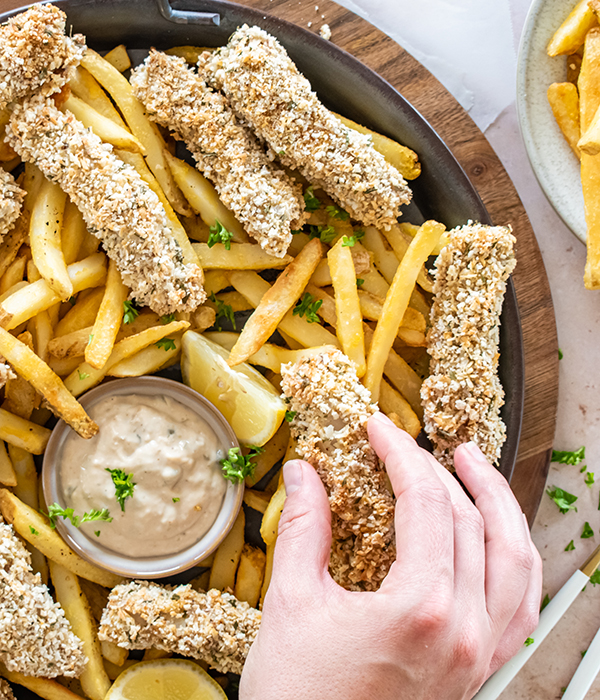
{"x": 147, "y": 567}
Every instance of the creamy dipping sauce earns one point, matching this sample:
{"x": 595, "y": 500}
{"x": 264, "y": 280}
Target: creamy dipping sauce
{"x": 174, "y": 457}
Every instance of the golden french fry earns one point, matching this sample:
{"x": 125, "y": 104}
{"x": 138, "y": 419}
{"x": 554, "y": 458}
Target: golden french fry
{"x": 102, "y": 126}
{"x": 29, "y": 366}
{"x": 39, "y": 296}
{"x": 276, "y": 302}
{"x": 571, "y": 33}
{"x": 20, "y": 397}
{"x": 391, "y": 401}
{"x": 202, "y": 318}
{"x": 64, "y": 366}
{"x": 14, "y": 274}
{"x": 27, "y": 481}
{"x": 272, "y": 452}
{"x": 403, "y": 378}
{"x": 23, "y": 433}
{"x": 113, "y": 671}
{"x": 399, "y": 241}
{"x": 73, "y": 232}
{"x": 397, "y": 301}
{"x": 43, "y": 687}
{"x": 564, "y": 102}
{"x": 237, "y": 301}
{"x": 8, "y": 476}
{"x": 94, "y": 681}
{"x": 203, "y": 197}
{"x": 371, "y": 307}
{"x": 149, "y": 360}
{"x": 72, "y": 344}
{"x": 97, "y": 597}
{"x": 44, "y": 238}
{"x": 35, "y": 529}
{"x": 85, "y": 376}
{"x": 350, "y": 323}
{"x": 215, "y": 281}
{"x": 415, "y": 339}
{"x": 270, "y": 521}
{"x": 401, "y": 157}
{"x": 362, "y": 264}
{"x": 42, "y": 333}
{"x": 118, "y": 58}
{"x": 87, "y": 88}
{"x": 12, "y": 242}
{"x": 121, "y": 92}
{"x": 150, "y": 654}
{"x": 113, "y": 653}
{"x": 82, "y": 314}
{"x": 190, "y": 53}
{"x": 227, "y": 556}
{"x": 199, "y": 583}
{"x": 108, "y": 320}
{"x": 268, "y": 572}
{"x": 250, "y": 575}
{"x": 412, "y": 229}
{"x": 257, "y": 500}
{"x": 240, "y": 256}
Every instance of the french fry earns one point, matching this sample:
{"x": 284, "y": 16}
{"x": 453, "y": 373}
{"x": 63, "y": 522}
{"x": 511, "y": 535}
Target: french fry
{"x": 391, "y": 401}
{"x": 108, "y": 320}
{"x": 64, "y": 366}
{"x": 275, "y": 303}
{"x": 350, "y": 323}
{"x": 35, "y": 529}
{"x": 571, "y": 33}
{"x": 270, "y": 521}
{"x": 362, "y": 264}
{"x": 87, "y": 88}
{"x": 401, "y": 157}
{"x": 8, "y": 476}
{"x": 399, "y": 242}
{"x": 102, "y": 126}
{"x": 272, "y": 452}
{"x": 29, "y": 366}
{"x": 27, "y": 480}
{"x": 237, "y": 301}
{"x": 190, "y": 53}
{"x": 215, "y": 281}
{"x": 200, "y": 583}
{"x": 23, "y": 433}
{"x": 113, "y": 671}
{"x": 203, "y": 197}
{"x": 250, "y": 575}
{"x": 113, "y": 653}
{"x": 118, "y": 58}
{"x": 148, "y": 361}
{"x": 151, "y": 654}
{"x": 42, "y": 334}
{"x": 12, "y": 242}
{"x": 85, "y": 376}
{"x": 257, "y": 500}
{"x": 13, "y": 274}
{"x": 20, "y": 397}
{"x": 202, "y": 318}
{"x": 82, "y": 314}
{"x": 39, "y": 296}
{"x": 412, "y": 230}
{"x": 44, "y": 238}
{"x": 372, "y": 306}
{"x": 397, "y": 301}
{"x": 121, "y": 92}
{"x": 42, "y": 687}
{"x": 72, "y": 344}
{"x": 240, "y": 256}
{"x": 227, "y": 556}
{"x": 299, "y": 240}
{"x": 73, "y": 232}
{"x": 564, "y": 102}
{"x": 94, "y": 681}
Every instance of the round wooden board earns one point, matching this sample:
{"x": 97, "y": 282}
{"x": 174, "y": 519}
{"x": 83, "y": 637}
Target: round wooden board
{"x": 485, "y": 171}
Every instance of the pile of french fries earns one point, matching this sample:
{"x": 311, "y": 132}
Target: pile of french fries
{"x": 66, "y": 325}
{"x": 575, "y": 104}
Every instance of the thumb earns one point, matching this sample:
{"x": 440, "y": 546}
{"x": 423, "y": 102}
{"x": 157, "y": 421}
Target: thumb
{"x": 301, "y": 557}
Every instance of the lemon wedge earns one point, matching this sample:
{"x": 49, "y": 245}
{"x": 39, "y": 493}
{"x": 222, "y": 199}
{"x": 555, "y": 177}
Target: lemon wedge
{"x": 249, "y": 402}
{"x": 165, "y": 679}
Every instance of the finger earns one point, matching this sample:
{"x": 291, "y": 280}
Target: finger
{"x": 525, "y": 620}
{"x": 301, "y": 556}
{"x": 509, "y": 558}
{"x": 423, "y": 521}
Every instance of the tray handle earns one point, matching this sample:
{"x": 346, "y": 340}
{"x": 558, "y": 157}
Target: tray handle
{"x": 187, "y": 16}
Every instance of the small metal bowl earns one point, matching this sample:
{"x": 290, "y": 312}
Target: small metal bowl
{"x": 147, "y": 567}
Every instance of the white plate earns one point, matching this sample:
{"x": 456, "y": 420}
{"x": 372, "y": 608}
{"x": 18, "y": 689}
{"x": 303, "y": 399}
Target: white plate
{"x": 554, "y": 164}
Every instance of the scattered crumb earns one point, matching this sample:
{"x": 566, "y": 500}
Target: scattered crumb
{"x": 325, "y": 32}
{"x": 309, "y": 24}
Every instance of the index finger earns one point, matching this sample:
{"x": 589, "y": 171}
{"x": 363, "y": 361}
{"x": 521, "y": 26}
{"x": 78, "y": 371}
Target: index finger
{"x": 424, "y": 521}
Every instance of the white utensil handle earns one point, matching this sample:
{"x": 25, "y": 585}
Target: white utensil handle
{"x": 549, "y": 616}
{"x": 586, "y": 673}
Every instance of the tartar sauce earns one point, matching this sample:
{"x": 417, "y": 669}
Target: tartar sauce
{"x": 173, "y": 455}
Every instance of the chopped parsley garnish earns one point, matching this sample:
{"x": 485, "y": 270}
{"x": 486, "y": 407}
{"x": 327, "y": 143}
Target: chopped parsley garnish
{"x": 289, "y": 416}
{"x": 560, "y": 354}
{"x": 545, "y": 602}
{"x": 350, "y": 242}
{"x": 55, "y": 512}
{"x": 359, "y": 282}
{"x": 176, "y": 500}
{"x": 595, "y": 578}
{"x": 124, "y": 485}
{"x": 165, "y": 344}
{"x": 583, "y": 653}
{"x": 563, "y": 499}
{"x": 236, "y": 466}
{"x": 82, "y": 375}
{"x": 130, "y": 311}
{"x": 587, "y": 531}
{"x": 312, "y": 203}
{"x": 223, "y": 311}
{"x": 72, "y": 301}
{"x": 33, "y": 530}
{"x": 307, "y": 307}
{"x": 570, "y": 547}
{"x": 589, "y": 479}
{"x": 167, "y": 318}
{"x": 97, "y": 533}
{"x": 219, "y": 234}
{"x": 529, "y": 641}
{"x": 337, "y": 213}
{"x": 568, "y": 457}
{"x": 325, "y": 233}
{"x": 91, "y": 337}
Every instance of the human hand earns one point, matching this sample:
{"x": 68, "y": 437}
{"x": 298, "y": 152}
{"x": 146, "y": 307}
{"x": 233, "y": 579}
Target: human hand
{"x": 460, "y": 600}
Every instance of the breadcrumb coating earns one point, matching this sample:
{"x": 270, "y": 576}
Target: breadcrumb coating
{"x": 214, "y": 627}
{"x": 35, "y": 54}
{"x": 462, "y": 396}
{"x": 118, "y": 206}
{"x": 265, "y": 200}
{"x": 265, "y": 88}
{"x": 6, "y": 692}
{"x": 11, "y": 201}
{"x": 331, "y": 409}
{"x": 35, "y": 637}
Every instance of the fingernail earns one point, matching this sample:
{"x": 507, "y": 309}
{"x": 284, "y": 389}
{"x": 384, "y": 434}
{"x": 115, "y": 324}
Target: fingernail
{"x": 382, "y": 418}
{"x": 474, "y": 451}
{"x": 292, "y": 476}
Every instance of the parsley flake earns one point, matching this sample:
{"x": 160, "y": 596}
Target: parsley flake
{"x": 337, "y": 213}
{"x": 223, "y": 311}
{"x": 166, "y": 344}
{"x": 307, "y": 307}
{"x": 176, "y": 500}
{"x": 236, "y": 466}
{"x": 289, "y": 416}
{"x": 124, "y": 485}
{"x": 312, "y": 203}
{"x": 560, "y": 354}
{"x": 325, "y": 233}
{"x": 72, "y": 301}
{"x": 82, "y": 375}
{"x": 350, "y": 242}
{"x": 563, "y": 499}
{"x": 545, "y": 602}
{"x": 529, "y": 641}
{"x": 587, "y": 531}
{"x": 589, "y": 479}
{"x": 595, "y": 578}
{"x": 568, "y": 457}
{"x": 130, "y": 311}
{"x": 97, "y": 533}
{"x": 219, "y": 234}
{"x": 55, "y": 512}
{"x": 570, "y": 547}
{"x": 33, "y": 530}
{"x": 167, "y": 318}
{"x": 359, "y": 281}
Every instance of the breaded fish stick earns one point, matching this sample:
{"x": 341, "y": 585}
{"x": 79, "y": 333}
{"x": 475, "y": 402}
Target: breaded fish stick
{"x": 331, "y": 408}
{"x": 264, "y": 199}
{"x": 6, "y": 692}
{"x": 35, "y": 54}
{"x": 265, "y": 88}
{"x": 214, "y": 627}
{"x": 11, "y": 201}
{"x": 462, "y": 396}
{"x": 35, "y": 637}
{"x": 117, "y": 205}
